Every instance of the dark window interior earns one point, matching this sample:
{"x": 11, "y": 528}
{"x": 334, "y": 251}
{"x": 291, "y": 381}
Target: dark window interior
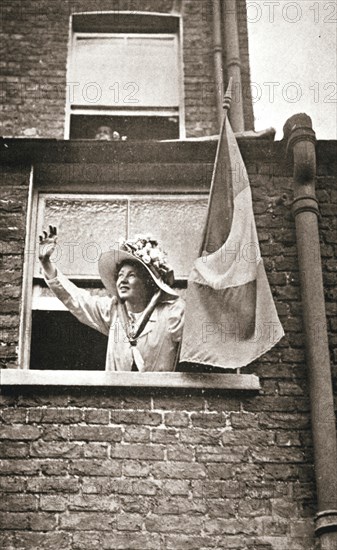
{"x": 61, "y": 342}
{"x": 133, "y": 127}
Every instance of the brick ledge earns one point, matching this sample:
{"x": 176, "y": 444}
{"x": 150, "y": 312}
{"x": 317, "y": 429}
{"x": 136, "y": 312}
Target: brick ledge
{"x": 20, "y": 377}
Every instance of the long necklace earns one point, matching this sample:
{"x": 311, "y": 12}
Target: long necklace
{"x": 134, "y": 328}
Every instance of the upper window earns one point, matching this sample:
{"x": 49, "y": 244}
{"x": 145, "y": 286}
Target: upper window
{"x": 127, "y": 79}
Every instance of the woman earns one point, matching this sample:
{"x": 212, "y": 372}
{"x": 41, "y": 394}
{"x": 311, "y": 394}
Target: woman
{"x": 143, "y": 318}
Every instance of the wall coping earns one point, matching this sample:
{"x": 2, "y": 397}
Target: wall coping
{"x": 42, "y": 150}
{"x": 22, "y": 377}
{"x": 254, "y": 150}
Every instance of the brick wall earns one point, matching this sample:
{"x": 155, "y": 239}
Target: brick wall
{"x": 93, "y": 469}
{"x": 176, "y": 469}
{"x": 34, "y": 54}
{"x": 13, "y": 207}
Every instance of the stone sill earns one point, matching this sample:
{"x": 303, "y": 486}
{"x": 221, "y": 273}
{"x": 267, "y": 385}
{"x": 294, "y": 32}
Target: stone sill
{"x": 21, "y": 377}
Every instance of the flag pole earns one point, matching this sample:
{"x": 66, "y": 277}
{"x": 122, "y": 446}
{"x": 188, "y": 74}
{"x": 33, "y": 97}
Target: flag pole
{"x": 218, "y": 169}
{"x": 227, "y": 100}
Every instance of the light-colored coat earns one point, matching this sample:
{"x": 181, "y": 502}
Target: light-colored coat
{"x": 158, "y": 343}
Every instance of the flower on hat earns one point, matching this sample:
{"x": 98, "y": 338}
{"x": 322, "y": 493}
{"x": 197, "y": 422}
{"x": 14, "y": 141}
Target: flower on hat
{"x": 146, "y": 249}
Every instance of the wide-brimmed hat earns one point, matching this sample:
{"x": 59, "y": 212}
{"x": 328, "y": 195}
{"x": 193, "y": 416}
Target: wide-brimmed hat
{"x": 145, "y": 252}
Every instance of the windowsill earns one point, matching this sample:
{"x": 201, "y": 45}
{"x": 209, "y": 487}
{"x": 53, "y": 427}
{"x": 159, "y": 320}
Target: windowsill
{"x": 23, "y": 377}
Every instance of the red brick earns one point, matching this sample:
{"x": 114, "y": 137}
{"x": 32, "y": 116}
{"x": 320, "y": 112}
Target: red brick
{"x": 87, "y": 503}
{"x": 53, "y": 503}
{"x": 128, "y": 541}
{"x": 51, "y": 467}
{"x": 223, "y": 508}
{"x": 181, "y": 506}
{"x": 18, "y": 503}
{"x": 96, "y": 416}
{"x": 222, "y": 454}
{"x": 144, "y": 487}
{"x": 199, "y": 436}
{"x": 230, "y": 527}
{"x": 138, "y": 451}
{"x": 13, "y": 416}
{"x": 208, "y": 420}
{"x": 219, "y": 471}
{"x": 55, "y": 416}
{"x": 136, "y": 434}
{"x": 254, "y": 508}
{"x": 284, "y": 508}
{"x": 42, "y": 541}
{"x": 96, "y": 467}
{"x": 98, "y": 485}
{"x": 178, "y": 470}
{"x": 20, "y": 432}
{"x": 12, "y": 484}
{"x": 284, "y": 421}
{"x": 176, "y": 487}
{"x": 53, "y": 485}
{"x": 243, "y": 420}
{"x": 14, "y": 450}
{"x": 189, "y": 542}
{"x": 174, "y": 523}
{"x": 278, "y": 455}
{"x": 177, "y": 404}
{"x": 180, "y": 453}
{"x": 129, "y": 522}
{"x": 95, "y": 433}
{"x": 133, "y": 468}
{"x": 87, "y": 521}
{"x": 27, "y": 467}
{"x": 176, "y": 419}
{"x": 136, "y": 417}
{"x": 31, "y": 521}
{"x": 165, "y": 436}
{"x": 134, "y": 504}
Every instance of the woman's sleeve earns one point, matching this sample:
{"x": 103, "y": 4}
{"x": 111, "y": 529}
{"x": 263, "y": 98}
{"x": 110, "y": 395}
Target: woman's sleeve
{"x": 176, "y": 319}
{"x": 94, "y": 311}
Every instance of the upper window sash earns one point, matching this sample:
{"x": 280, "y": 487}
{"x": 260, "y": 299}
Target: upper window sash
{"x": 124, "y": 71}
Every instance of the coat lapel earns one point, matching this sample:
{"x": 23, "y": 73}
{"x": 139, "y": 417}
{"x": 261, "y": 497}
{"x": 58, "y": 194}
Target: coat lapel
{"x": 150, "y": 324}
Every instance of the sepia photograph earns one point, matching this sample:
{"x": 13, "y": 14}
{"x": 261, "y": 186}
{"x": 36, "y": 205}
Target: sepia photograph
{"x": 168, "y": 253}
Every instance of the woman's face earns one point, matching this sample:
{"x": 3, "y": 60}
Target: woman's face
{"x": 131, "y": 285}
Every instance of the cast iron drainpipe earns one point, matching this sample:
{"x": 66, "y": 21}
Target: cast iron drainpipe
{"x": 301, "y": 141}
{"x": 218, "y": 69}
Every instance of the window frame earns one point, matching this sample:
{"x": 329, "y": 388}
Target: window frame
{"x": 120, "y": 22}
{"x": 37, "y": 189}
{"x": 64, "y": 156}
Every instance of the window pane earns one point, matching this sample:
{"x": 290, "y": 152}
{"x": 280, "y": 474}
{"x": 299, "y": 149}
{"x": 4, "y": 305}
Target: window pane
{"x": 176, "y": 223}
{"x": 92, "y": 225}
{"x": 125, "y": 71}
{"x": 86, "y": 227}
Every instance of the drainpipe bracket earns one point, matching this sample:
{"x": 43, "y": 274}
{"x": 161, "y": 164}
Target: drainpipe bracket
{"x": 326, "y": 521}
{"x": 233, "y": 61}
{"x": 305, "y": 203}
{"x": 299, "y": 134}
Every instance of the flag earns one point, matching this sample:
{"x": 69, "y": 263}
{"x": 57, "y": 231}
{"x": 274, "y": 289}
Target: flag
{"x": 231, "y": 318}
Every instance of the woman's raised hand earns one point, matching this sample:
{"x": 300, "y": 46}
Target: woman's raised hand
{"x": 47, "y": 245}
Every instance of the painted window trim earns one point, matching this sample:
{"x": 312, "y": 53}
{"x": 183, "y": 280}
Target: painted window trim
{"x": 202, "y": 381}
